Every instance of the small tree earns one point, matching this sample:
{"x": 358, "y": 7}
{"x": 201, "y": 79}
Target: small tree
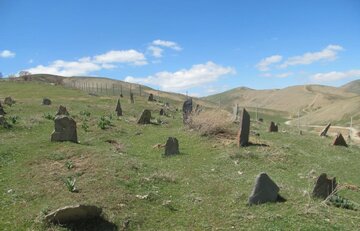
{"x": 25, "y": 75}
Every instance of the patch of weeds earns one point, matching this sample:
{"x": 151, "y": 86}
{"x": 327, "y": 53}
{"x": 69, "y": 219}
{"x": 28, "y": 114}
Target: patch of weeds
{"x": 69, "y": 164}
{"x": 57, "y": 156}
{"x": 14, "y": 119}
{"x": 235, "y": 155}
{"x": 48, "y": 116}
{"x": 163, "y": 177}
{"x": 70, "y": 184}
{"x": 5, "y": 124}
{"x": 85, "y": 113}
{"x": 85, "y": 126}
{"x": 341, "y": 202}
{"x": 104, "y": 122}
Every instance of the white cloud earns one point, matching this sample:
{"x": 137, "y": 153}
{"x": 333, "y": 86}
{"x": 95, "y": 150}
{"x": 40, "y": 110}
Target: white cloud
{"x": 168, "y": 44}
{"x": 7, "y": 54}
{"x": 156, "y": 51}
{"x": 197, "y": 75}
{"x": 264, "y": 64}
{"x": 122, "y": 56}
{"x": 335, "y": 75}
{"x": 85, "y": 65}
{"x": 284, "y": 75}
{"x": 327, "y": 54}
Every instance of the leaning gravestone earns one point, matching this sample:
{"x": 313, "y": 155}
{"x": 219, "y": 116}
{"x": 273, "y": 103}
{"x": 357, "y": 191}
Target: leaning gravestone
{"x": 145, "y": 117}
{"x": 244, "y": 130}
{"x": 9, "y": 101}
{"x": 187, "y": 109}
{"x": 265, "y": 190}
{"x": 46, "y": 101}
{"x": 132, "y": 98}
{"x": 273, "y": 127}
{"x": 325, "y": 130}
{"x": 151, "y": 97}
{"x": 171, "y": 146}
{"x": 118, "y": 108}
{"x": 70, "y": 214}
{"x": 65, "y": 129}
{"x": 324, "y": 186}
{"x": 62, "y": 111}
{"x": 339, "y": 140}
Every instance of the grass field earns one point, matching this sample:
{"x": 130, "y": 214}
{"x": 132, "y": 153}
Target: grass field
{"x": 204, "y": 188}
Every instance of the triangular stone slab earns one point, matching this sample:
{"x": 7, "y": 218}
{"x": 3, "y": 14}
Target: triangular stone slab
{"x": 324, "y": 186}
{"x": 325, "y": 130}
{"x": 265, "y": 190}
{"x": 145, "y": 117}
{"x": 118, "y": 108}
{"x": 339, "y": 140}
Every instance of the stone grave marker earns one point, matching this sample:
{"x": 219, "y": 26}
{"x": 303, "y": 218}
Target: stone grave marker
{"x": 244, "y": 130}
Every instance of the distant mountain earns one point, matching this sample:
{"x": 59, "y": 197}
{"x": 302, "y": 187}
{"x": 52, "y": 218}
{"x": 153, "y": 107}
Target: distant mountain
{"x": 353, "y": 86}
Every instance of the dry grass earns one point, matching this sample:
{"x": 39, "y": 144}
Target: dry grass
{"x": 211, "y": 122}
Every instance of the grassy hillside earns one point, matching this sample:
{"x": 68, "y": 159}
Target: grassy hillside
{"x": 204, "y": 188}
{"x": 353, "y": 86}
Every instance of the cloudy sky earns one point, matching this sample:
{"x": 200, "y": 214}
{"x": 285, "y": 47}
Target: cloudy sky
{"x": 199, "y": 46}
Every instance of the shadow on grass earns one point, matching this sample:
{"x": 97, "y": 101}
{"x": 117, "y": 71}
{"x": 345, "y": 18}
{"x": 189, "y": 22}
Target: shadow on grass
{"x": 96, "y": 224}
{"x": 257, "y": 144}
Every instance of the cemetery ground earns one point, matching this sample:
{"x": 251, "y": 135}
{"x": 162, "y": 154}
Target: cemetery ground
{"x": 122, "y": 169}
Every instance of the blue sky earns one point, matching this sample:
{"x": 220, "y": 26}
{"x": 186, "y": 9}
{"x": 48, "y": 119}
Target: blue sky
{"x": 199, "y": 46}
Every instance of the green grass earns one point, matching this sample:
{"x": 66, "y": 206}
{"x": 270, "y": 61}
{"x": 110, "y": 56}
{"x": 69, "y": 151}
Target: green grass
{"x": 204, "y": 188}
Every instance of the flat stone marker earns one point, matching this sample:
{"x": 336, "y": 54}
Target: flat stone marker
{"x": 187, "y": 109}
{"x": 9, "y": 101}
{"x": 62, "y": 111}
{"x": 244, "y": 130}
{"x": 75, "y": 213}
{"x": 265, "y": 190}
{"x": 171, "y": 146}
{"x": 65, "y": 129}
{"x": 325, "y": 130}
{"x": 46, "y": 101}
{"x": 118, "y": 108}
{"x": 145, "y": 117}
{"x": 324, "y": 186}
{"x": 273, "y": 127}
{"x": 339, "y": 140}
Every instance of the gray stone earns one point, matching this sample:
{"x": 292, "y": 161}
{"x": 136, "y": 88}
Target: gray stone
{"x": 325, "y": 130}
{"x": 273, "y": 127}
{"x": 62, "y": 111}
{"x": 145, "y": 117}
{"x": 244, "y": 130}
{"x": 75, "y": 213}
{"x": 65, "y": 129}
{"x": 171, "y": 146}
{"x": 162, "y": 112}
{"x": 265, "y": 190}
{"x": 151, "y": 97}
{"x": 9, "y": 101}
{"x": 187, "y": 109}
{"x": 46, "y": 101}
{"x": 118, "y": 108}
{"x": 324, "y": 186}
{"x": 132, "y": 98}
{"x": 339, "y": 140}
{"x": 236, "y": 113}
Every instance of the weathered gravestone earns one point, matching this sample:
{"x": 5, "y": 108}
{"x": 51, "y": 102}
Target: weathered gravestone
{"x": 187, "y": 109}
{"x": 151, "y": 97}
{"x": 261, "y": 120}
{"x": 265, "y": 190}
{"x": 132, "y": 98}
{"x": 171, "y": 146}
{"x": 236, "y": 113}
{"x": 70, "y": 214}
{"x": 244, "y": 130}
{"x": 162, "y": 112}
{"x": 325, "y": 130}
{"x": 324, "y": 186}
{"x": 145, "y": 117}
{"x": 46, "y": 101}
{"x": 9, "y": 101}
{"x": 62, "y": 111}
{"x": 65, "y": 129}
{"x": 273, "y": 127}
{"x": 339, "y": 140}
{"x": 118, "y": 108}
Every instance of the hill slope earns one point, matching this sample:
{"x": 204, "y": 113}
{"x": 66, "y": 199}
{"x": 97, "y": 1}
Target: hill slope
{"x": 353, "y": 86}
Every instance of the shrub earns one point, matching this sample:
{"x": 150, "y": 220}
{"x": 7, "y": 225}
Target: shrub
{"x": 104, "y": 122}
{"x": 70, "y": 184}
{"x": 48, "y": 116}
{"x": 85, "y": 113}
{"x": 85, "y": 126}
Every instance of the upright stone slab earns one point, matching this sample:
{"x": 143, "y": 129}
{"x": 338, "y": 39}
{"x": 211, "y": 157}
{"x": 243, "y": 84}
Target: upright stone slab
{"x": 265, "y": 190}
{"x": 325, "y": 130}
{"x": 62, "y": 111}
{"x": 273, "y": 127}
{"x": 46, "y": 101}
{"x": 151, "y": 97}
{"x": 171, "y": 146}
{"x": 187, "y": 109}
{"x": 339, "y": 140}
{"x": 9, "y": 101}
{"x": 162, "y": 112}
{"x": 145, "y": 117}
{"x": 118, "y": 108}
{"x": 75, "y": 213}
{"x": 244, "y": 130}
{"x": 236, "y": 112}
{"x": 65, "y": 129}
{"x": 324, "y": 186}
{"x": 132, "y": 98}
